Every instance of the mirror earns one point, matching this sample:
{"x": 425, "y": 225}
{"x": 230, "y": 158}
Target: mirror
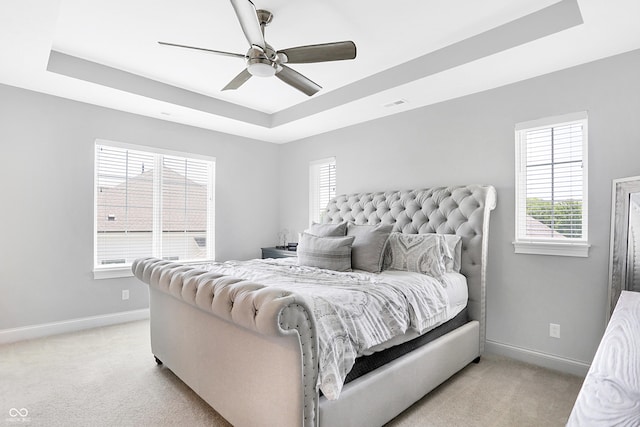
{"x": 624, "y": 263}
{"x": 633, "y": 244}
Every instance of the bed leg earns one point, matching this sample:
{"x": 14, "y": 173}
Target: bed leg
{"x": 476, "y": 360}
{"x": 158, "y": 361}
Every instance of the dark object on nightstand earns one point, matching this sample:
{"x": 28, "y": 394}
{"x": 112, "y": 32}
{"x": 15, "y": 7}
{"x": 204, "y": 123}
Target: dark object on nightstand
{"x": 277, "y": 253}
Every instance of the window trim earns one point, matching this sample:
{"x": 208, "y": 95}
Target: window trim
{"x": 314, "y": 178}
{"x": 111, "y": 271}
{"x": 547, "y": 246}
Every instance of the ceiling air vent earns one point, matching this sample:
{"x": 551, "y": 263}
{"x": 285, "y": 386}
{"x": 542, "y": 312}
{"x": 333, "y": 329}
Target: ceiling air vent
{"x": 395, "y": 103}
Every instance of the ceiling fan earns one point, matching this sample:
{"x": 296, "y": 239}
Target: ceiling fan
{"x": 264, "y": 61}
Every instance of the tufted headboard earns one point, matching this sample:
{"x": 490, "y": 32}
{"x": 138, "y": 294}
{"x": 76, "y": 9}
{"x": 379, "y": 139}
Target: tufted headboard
{"x": 460, "y": 210}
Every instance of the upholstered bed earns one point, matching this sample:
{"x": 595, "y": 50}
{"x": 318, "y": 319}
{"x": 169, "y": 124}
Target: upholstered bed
{"x": 252, "y": 351}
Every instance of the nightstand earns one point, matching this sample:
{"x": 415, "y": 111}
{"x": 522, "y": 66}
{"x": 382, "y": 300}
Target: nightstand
{"x": 277, "y": 253}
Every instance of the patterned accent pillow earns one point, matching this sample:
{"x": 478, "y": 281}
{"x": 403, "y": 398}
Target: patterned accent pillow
{"x": 331, "y": 253}
{"x": 328, "y": 230}
{"x": 422, "y": 253}
{"x": 368, "y": 246}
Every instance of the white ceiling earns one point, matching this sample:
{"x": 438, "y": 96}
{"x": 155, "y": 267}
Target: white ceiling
{"x": 420, "y": 51}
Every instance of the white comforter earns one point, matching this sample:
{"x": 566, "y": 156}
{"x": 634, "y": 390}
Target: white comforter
{"x": 353, "y": 311}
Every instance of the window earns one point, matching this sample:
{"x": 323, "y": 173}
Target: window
{"x": 551, "y": 186}
{"x": 148, "y": 203}
{"x": 322, "y": 186}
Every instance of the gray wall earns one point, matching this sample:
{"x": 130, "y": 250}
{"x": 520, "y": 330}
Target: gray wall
{"x": 46, "y": 193}
{"x": 46, "y": 202}
{"x": 471, "y": 140}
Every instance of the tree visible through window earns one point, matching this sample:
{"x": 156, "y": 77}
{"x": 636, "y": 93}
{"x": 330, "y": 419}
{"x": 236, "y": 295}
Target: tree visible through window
{"x": 558, "y": 217}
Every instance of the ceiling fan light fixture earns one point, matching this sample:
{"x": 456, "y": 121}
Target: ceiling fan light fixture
{"x": 261, "y": 67}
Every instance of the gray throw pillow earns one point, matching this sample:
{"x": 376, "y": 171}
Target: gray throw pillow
{"x": 422, "y": 253}
{"x": 368, "y": 246}
{"x": 331, "y": 253}
{"x": 328, "y": 230}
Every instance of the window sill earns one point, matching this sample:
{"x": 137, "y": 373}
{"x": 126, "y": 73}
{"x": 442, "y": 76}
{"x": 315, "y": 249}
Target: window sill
{"x": 113, "y": 272}
{"x": 553, "y": 248}
{"x": 125, "y": 270}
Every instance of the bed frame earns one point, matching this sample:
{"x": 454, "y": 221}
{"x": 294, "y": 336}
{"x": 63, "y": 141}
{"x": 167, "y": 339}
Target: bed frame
{"x": 250, "y": 351}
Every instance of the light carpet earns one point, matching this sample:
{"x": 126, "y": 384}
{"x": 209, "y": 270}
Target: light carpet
{"x": 108, "y": 377}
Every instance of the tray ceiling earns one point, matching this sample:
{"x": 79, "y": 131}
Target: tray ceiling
{"x": 410, "y": 54}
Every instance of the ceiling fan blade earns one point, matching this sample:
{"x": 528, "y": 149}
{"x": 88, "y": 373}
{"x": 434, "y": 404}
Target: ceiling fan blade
{"x": 246, "y": 13}
{"x": 238, "y": 80}
{"x": 297, "y": 80}
{"x": 217, "y": 52}
{"x": 337, "y": 51}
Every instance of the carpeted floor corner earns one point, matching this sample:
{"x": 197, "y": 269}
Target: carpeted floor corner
{"x": 497, "y": 392}
{"x": 108, "y": 377}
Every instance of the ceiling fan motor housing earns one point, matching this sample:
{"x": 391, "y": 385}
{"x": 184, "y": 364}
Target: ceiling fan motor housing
{"x": 262, "y": 63}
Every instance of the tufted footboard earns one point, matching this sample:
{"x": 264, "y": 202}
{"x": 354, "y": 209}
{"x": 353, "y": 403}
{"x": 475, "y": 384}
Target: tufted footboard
{"x": 270, "y": 324}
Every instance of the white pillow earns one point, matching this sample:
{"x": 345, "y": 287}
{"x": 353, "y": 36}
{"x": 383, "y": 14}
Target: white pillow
{"x": 422, "y": 253}
{"x": 454, "y": 244}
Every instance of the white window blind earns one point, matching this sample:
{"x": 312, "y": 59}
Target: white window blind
{"x": 551, "y": 187}
{"x": 151, "y": 204}
{"x": 322, "y": 180}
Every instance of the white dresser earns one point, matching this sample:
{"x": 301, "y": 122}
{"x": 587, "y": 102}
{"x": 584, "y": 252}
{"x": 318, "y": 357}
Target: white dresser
{"x": 610, "y": 395}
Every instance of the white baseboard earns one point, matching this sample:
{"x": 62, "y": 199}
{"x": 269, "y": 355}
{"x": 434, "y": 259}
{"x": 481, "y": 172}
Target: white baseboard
{"x": 557, "y": 363}
{"x": 46, "y": 329}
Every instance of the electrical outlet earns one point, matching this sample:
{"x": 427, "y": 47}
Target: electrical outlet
{"x": 554, "y": 330}
{"x": 125, "y": 294}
